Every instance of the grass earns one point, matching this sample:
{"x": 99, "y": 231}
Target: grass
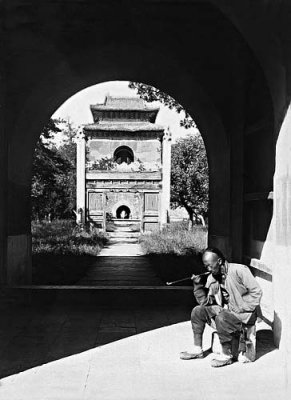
{"x": 175, "y": 239}
{"x": 176, "y": 252}
{"x": 63, "y": 237}
{"x": 62, "y": 251}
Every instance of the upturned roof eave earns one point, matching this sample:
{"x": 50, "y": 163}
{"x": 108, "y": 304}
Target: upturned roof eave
{"x": 103, "y": 107}
{"x": 99, "y": 127}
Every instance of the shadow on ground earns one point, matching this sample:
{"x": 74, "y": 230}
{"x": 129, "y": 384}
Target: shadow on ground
{"x": 170, "y": 267}
{"x": 93, "y": 271}
{"x": 265, "y": 343}
{"x": 32, "y": 336}
{"x": 36, "y": 335}
{"x": 49, "y": 269}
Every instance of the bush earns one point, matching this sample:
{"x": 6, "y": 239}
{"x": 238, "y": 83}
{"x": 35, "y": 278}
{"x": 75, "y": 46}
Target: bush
{"x": 175, "y": 239}
{"x": 62, "y": 251}
{"x": 64, "y": 237}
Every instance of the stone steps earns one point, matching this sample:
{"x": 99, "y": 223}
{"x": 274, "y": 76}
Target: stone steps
{"x": 127, "y": 222}
{"x": 123, "y": 234}
{"x": 122, "y": 229}
{"x": 123, "y": 240}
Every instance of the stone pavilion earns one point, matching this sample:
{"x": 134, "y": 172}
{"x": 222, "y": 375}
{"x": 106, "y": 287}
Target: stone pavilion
{"x": 123, "y": 166}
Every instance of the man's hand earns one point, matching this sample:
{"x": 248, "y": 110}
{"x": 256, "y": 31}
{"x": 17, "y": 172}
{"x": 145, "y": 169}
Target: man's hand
{"x": 236, "y": 310}
{"x": 196, "y": 278}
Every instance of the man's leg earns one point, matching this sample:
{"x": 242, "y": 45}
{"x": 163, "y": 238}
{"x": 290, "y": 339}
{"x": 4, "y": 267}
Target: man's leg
{"x": 228, "y": 328}
{"x": 199, "y": 317}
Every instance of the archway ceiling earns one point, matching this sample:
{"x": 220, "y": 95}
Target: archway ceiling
{"x": 58, "y": 47}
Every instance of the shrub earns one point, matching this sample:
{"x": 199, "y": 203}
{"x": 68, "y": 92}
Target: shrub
{"x": 175, "y": 239}
{"x": 64, "y": 237}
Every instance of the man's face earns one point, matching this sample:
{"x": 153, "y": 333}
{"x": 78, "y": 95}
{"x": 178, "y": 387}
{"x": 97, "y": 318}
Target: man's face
{"x": 212, "y": 262}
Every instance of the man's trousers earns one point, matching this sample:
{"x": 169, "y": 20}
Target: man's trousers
{"x": 228, "y": 326}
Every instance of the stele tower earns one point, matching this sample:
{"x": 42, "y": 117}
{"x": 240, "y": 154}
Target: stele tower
{"x": 123, "y": 166}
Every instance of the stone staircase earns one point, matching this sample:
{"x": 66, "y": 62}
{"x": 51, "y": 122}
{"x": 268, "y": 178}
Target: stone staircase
{"x": 123, "y": 232}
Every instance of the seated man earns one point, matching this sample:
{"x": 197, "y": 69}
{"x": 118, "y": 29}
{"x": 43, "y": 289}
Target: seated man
{"x": 227, "y": 300}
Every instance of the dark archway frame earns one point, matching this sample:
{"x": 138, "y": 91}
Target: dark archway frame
{"x": 180, "y": 74}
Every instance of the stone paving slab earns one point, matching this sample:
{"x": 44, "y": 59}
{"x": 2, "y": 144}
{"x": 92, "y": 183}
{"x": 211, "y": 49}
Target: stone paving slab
{"x": 121, "y": 271}
{"x": 147, "y": 366}
{"x": 100, "y": 353}
{"x": 121, "y": 249}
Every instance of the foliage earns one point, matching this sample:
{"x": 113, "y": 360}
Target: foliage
{"x": 64, "y": 237}
{"x": 189, "y": 170}
{"x": 54, "y": 174}
{"x": 103, "y": 164}
{"x": 189, "y": 176}
{"x": 62, "y": 252}
{"x": 108, "y": 164}
{"x": 150, "y": 94}
{"x": 175, "y": 239}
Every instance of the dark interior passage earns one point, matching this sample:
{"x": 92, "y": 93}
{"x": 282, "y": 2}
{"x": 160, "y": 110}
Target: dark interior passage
{"x": 123, "y": 212}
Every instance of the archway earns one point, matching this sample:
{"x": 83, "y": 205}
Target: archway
{"x": 122, "y": 174}
{"x": 228, "y": 95}
{"x": 123, "y": 212}
{"x": 203, "y": 59}
{"x": 123, "y": 154}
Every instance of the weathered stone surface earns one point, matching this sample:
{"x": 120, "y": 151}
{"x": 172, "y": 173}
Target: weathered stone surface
{"x": 127, "y": 188}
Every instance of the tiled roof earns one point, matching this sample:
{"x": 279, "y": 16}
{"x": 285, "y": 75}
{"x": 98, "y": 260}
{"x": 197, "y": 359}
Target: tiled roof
{"x": 123, "y": 103}
{"x": 123, "y": 126}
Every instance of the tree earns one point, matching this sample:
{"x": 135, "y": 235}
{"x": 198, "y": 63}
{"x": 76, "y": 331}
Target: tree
{"x": 150, "y": 94}
{"x": 53, "y": 176}
{"x": 189, "y": 177}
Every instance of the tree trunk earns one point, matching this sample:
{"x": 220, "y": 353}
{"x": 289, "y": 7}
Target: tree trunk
{"x": 190, "y": 221}
{"x": 190, "y": 213}
{"x": 202, "y": 220}
{"x": 190, "y": 225}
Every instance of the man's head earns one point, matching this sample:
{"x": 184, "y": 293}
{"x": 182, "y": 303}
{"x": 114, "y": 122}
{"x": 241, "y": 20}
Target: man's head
{"x": 213, "y": 259}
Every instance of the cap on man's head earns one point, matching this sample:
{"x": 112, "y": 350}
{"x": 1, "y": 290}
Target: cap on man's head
{"x": 216, "y": 251}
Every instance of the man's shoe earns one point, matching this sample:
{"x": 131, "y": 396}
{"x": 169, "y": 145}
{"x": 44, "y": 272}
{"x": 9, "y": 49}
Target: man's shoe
{"x": 216, "y": 362}
{"x": 190, "y": 356}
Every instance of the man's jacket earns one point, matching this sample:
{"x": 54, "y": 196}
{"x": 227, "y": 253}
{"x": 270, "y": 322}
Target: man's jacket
{"x": 239, "y": 292}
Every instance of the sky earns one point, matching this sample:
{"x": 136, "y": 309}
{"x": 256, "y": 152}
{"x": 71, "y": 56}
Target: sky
{"x": 77, "y": 107}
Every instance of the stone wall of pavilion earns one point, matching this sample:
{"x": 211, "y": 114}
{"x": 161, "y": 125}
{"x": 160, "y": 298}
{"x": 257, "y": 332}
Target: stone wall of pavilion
{"x": 145, "y": 151}
{"x": 133, "y": 201}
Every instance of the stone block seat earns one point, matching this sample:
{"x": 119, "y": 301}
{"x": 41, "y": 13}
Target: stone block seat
{"x": 246, "y": 350}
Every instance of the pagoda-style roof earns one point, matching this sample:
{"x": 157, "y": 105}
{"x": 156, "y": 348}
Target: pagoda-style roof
{"x": 125, "y": 109}
{"x": 124, "y": 117}
{"x": 124, "y": 126}
{"x": 123, "y": 104}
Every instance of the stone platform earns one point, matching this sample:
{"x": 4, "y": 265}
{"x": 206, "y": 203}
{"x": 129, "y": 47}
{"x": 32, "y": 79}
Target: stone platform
{"x": 87, "y": 352}
{"x": 121, "y": 271}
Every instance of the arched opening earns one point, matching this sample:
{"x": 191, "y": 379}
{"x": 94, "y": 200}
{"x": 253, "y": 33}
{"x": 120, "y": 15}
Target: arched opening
{"x": 123, "y": 154}
{"x": 209, "y": 96}
{"x": 123, "y": 212}
{"x": 213, "y": 83}
{"x": 124, "y": 169}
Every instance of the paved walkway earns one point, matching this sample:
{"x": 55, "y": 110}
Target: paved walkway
{"x": 121, "y": 271}
{"x": 121, "y": 249}
{"x": 121, "y": 264}
{"x": 65, "y": 352}
{"x": 68, "y": 350}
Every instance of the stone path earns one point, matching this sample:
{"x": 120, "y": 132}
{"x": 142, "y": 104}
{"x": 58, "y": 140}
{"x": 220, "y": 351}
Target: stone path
{"x": 73, "y": 350}
{"x": 121, "y": 264}
{"x": 68, "y": 352}
{"x": 121, "y": 249}
{"x": 121, "y": 271}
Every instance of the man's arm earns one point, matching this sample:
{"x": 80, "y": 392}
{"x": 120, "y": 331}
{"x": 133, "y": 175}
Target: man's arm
{"x": 251, "y": 299}
{"x": 199, "y": 290}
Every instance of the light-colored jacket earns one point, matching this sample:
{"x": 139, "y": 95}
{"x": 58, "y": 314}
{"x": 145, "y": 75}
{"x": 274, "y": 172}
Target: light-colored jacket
{"x": 243, "y": 290}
